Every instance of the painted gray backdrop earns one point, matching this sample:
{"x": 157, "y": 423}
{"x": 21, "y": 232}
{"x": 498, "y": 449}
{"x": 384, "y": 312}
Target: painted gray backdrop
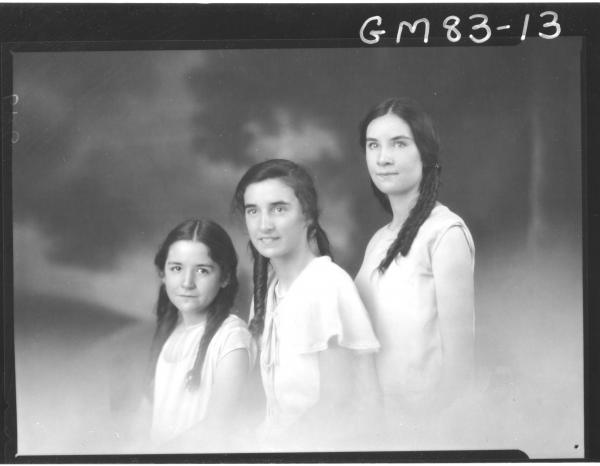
{"x": 114, "y": 148}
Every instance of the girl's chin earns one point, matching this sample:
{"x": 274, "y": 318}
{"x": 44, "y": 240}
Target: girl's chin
{"x": 392, "y": 191}
{"x": 266, "y": 251}
{"x": 192, "y": 311}
{"x": 385, "y": 191}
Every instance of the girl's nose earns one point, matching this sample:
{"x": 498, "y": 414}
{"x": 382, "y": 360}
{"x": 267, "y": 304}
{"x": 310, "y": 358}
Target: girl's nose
{"x": 383, "y": 157}
{"x": 188, "y": 280}
{"x": 265, "y": 222}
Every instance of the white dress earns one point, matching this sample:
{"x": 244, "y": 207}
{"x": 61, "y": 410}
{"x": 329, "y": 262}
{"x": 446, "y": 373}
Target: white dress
{"x": 403, "y": 308}
{"x": 321, "y": 303}
{"x": 177, "y": 409}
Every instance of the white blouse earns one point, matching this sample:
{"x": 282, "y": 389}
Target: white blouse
{"x": 177, "y": 409}
{"x": 403, "y": 308}
{"x": 321, "y": 303}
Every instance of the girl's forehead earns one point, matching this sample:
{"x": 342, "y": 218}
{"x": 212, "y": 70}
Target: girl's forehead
{"x": 189, "y": 250}
{"x": 390, "y": 123}
{"x": 270, "y": 190}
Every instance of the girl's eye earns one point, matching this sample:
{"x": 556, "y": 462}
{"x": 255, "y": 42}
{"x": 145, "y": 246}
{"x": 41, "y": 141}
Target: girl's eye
{"x": 175, "y": 268}
{"x": 399, "y": 144}
{"x": 250, "y": 211}
{"x": 279, "y": 209}
{"x": 372, "y": 145}
{"x": 202, "y": 271}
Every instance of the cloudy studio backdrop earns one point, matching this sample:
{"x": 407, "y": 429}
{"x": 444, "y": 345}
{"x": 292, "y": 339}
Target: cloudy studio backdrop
{"x": 113, "y": 148}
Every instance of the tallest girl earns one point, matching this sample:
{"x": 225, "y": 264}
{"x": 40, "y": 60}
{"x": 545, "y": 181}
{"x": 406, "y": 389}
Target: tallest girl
{"x": 416, "y": 279}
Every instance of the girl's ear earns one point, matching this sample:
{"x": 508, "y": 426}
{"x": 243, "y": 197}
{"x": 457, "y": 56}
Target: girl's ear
{"x": 225, "y": 282}
{"x": 311, "y": 230}
{"x": 161, "y": 275}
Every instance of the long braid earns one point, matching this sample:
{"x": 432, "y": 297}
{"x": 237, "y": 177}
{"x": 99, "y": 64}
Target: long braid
{"x": 260, "y": 278}
{"x": 322, "y": 240}
{"x": 218, "y": 311}
{"x": 166, "y": 319}
{"x": 215, "y": 318}
{"x": 428, "y": 191}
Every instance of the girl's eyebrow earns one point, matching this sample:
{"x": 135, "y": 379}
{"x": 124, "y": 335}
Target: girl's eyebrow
{"x": 393, "y": 138}
{"x": 274, "y": 203}
{"x": 207, "y": 266}
{"x": 210, "y": 266}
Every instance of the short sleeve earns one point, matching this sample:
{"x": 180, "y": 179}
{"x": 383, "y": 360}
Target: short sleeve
{"x": 357, "y": 332}
{"x": 458, "y": 223}
{"x": 331, "y": 308}
{"x": 234, "y": 336}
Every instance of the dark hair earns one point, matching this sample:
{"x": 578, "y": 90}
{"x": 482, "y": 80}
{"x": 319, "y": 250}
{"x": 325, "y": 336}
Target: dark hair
{"x": 427, "y": 143}
{"x": 221, "y": 250}
{"x": 296, "y": 177}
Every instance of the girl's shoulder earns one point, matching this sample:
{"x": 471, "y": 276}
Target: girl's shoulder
{"x": 441, "y": 219}
{"x": 320, "y": 279}
{"x": 324, "y": 270}
{"x": 323, "y": 304}
{"x": 439, "y": 222}
{"x": 233, "y": 330}
{"x": 441, "y": 215}
{"x": 233, "y": 322}
{"x": 232, "y": 335}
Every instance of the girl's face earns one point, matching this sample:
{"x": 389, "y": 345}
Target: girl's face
{"x": 274, "y": 218}
{"x": 192, "y": 279}
{"x": 393, "y": 159}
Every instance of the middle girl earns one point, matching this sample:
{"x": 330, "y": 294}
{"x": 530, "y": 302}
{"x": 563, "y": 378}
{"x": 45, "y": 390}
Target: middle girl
{"x": 315, "y": 337}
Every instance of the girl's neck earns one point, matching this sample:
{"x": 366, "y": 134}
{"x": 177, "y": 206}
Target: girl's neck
{"x": 288, "y": 268}
{"x": 401, "y": 205}
{"x": 189, "y": 319}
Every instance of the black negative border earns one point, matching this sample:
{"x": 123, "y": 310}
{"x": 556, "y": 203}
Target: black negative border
{"x": 158, "y": 26}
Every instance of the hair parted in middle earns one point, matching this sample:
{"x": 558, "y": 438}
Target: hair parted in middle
{"x": 222, "y": 251}
{"x": 299, "y": 180}
{"x": 427, "y": 143}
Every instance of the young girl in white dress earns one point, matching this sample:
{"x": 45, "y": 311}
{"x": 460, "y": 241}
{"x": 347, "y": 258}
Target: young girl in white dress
{"x": 201, "y": 352}
{"x": 416, "y": 279}
{"x": 316, "y": 340}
